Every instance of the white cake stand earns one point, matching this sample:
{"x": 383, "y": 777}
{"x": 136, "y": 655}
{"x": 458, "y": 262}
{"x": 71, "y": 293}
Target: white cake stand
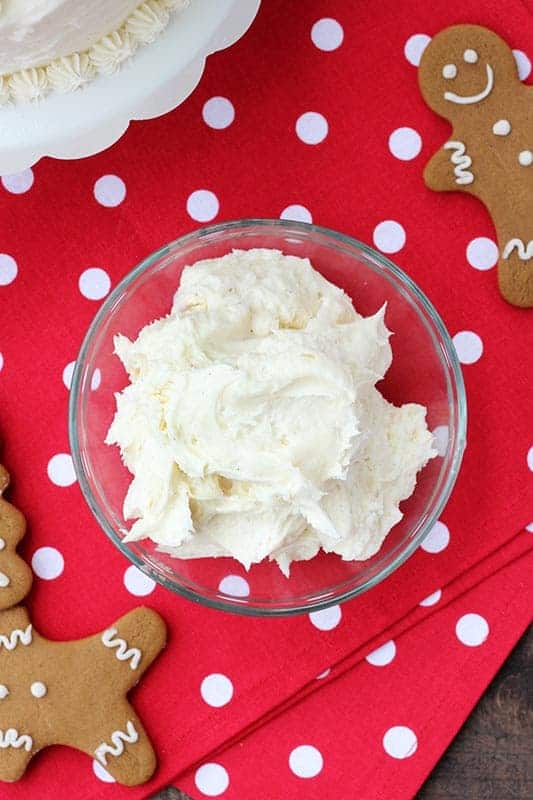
{"x": 156, "y": 80}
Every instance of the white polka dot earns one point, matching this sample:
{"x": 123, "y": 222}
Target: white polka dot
{"x": 109, "y": 191}
{"x": 405, "y": 143}
{"x": 431, "y": 599}
{"x": 101, "y": 773}
{"x": 4, "y": 691}
{"x": 235, "y": 586}
{"x": 323, "y": 674}
{"x": 8, "y": 269}
{"x": 389, "y": 236}
{"x": 312, "y": 127}
{"x": 67, "y": 374}
{"x": 468, "y": 346}
{"x": 529, "y": 528}
{"x": 530, "y": 458}
{"x": 523, "y": 63}
{"x": 441, "y": 436}
{"x": 482, "y": 253}
{"x": 306, "y": 761}
{"x": 1, "y": 362}
{"x": 327, "y": 618}
{"x": 218, "y": 113}
{"x": 60, "y": 470}
{"x": 96, "y": 379}
{"x": 400, "y": 742}
{"x": 327, "y": 34}
{"x": 296, "y": 213}
{"x": 383, "y": 655}
{"x": 472, "y": 630}
{"x": 216, "y": 690}
{"x": 437, "y": 539}
{"x": 211, "y": 779}
{"x": 525, "y": 158}
{"x": 415, "y": 46}
{"x": 18, "y": 182}
{"x": 47, "y": 563}
{"x": 137, "y": 583}
{"x": 94, "y": 283}
{"x": 202, "y": 205}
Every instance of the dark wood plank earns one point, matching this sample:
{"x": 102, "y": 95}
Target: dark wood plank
{"x": 492, "y": 756}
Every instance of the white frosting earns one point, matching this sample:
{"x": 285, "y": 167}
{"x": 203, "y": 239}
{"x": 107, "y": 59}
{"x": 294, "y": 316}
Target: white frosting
{"x": 502, "y": 127}
{"x": 449, "y": 71}
{"x": 473, "y": 98}
{"x": 38, "y": 689}
{"x": 133, "y": 654}
{"x": 62, "y": 44}
{"x": 524, "y": 252}
{"x": 4, "y": 691}
{"x": 68, "y": 73}
{"x": 470, "y": 56}
{"x": 116, "y": 748}
{"x": 525, "y": 158}
{"x": 4, "y": 580}
{"x": 251, "y": 424}
{"x": 462, "y": 161}
{"x": 2, "y": 543}
{"x": 11, "y": 738}
{"x": 17, "y": 636}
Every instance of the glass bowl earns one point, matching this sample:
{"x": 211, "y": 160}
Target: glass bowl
{"x": 425, "y": 370}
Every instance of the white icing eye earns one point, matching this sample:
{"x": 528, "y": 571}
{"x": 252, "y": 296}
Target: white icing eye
{"x": 2, "y": 544}
{"x": 449, "y": 71}
{"x": 4, "y": 691}
{"x": 4, "y": 580}
{"x": 525, "y": 158}
{"x": 38, "y": 689}
{"x": 470, "y": 56}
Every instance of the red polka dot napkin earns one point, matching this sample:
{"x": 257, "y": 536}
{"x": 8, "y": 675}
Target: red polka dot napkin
{"x": 316, "y": 119}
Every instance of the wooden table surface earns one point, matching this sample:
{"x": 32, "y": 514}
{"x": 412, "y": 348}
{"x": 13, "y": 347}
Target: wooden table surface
{"x": 492, "y": 756}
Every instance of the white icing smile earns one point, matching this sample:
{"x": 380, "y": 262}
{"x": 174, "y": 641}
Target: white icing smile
{"x": 473, "y": 98}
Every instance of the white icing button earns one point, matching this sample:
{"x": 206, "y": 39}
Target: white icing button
{"x": 502, "y": 127}
{"x": 525, "y": 158}
{"x": 38, "y": 689}
{"x": 4, "y": 581}
{"x": 4, "y": 691}
{"x": 2, "y": 544}
{"x": 449, "y": 71}
{"x": 470, "y": 56}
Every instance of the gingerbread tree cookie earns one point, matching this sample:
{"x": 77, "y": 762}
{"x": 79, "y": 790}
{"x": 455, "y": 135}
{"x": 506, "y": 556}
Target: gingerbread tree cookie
{"x": 468, "y": 75}
{"x": 15, "y": 574}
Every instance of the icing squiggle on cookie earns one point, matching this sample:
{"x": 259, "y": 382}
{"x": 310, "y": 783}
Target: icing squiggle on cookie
{"x": 133, "y": 654}
{"x": 11, "y": 738}
{"x": 524, "y": 252}
{"x": 473, "y": 98}
{"x": 16, "y": 636}
{"x": 462, "y": 161}
{"x": 116, "y": 748}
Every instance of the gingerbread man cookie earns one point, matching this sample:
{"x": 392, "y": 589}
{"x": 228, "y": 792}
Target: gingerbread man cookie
{"x": 74, "y": 693}
{"x": 468, "y": 75}
{"x": 15, "y": 574}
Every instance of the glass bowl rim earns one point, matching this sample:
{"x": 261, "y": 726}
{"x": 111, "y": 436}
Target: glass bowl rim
{"x": 239, "y": 605}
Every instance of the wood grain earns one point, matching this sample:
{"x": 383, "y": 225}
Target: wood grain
{"x": 492, "y": 756}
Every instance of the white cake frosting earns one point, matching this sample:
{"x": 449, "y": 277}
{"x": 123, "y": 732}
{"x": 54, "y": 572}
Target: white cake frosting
{"x": 252, "y": 425}
{"x": 60, "y": 45}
